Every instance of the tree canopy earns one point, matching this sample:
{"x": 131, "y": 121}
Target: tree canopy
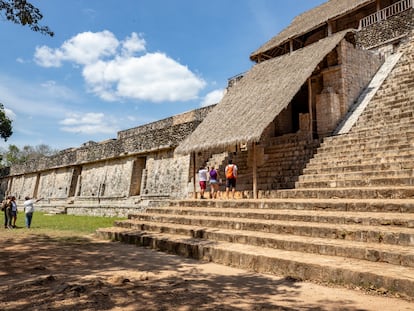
{"x": 15, "y": 155}
{"x": 24, "y": 13}
{"x": 5, "y": 124}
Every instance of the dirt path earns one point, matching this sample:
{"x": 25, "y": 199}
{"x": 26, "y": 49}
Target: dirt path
{"x": 58, "y": 272}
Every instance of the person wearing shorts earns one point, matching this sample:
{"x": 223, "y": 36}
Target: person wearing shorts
{"x": 13, "y": 211}
{"x": 214, "y": 183}
{"x": 202, "y": 180}
{"x": 231, "y": 176}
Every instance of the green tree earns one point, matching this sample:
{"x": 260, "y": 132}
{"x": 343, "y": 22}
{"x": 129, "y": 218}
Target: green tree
{"x": 5, "y": 124}
{"x": 12, "y": 156}
{"x": 24, "y": 13}
{"x": 15, "y": 155}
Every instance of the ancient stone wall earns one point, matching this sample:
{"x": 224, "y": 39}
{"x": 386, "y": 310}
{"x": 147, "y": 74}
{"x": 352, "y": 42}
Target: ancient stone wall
{"x": 23, "y": 186}
{"x": 343, "y": 83}
{"x": 167, "y": 133}
{"x": 54, "y": 183}
{"x": 387, "y": 30}
{"x": 111, "y": 178}
{"x": 197, "y": 115}
{"x": 358, "y": 68}
{"x": 114, "y": 168}
{"x": 167, "y": 174}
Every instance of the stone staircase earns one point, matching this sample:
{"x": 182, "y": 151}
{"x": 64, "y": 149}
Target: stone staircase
{"x": 349, "y": 221}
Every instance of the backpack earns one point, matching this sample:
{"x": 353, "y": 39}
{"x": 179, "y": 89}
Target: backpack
{"x": 229, "y": 171}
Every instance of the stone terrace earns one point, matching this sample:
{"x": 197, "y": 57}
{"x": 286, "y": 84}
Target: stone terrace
{"x": 350, "y": 220}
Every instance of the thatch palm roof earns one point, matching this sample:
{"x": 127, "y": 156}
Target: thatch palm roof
{"x": 310, "y": 20}
{"x": 254, "y": 102}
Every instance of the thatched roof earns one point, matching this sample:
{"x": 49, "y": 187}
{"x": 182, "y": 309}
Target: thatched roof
{"x": 310, "y": 20}
{"x": 254, "y": 102}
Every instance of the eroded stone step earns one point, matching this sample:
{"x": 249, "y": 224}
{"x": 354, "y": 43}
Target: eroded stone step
{"x": 365, "y": 148}
{"x": 366, "y": 174}
{"x": 318, "y": 216}
{"x": 381, "y": 205}
{"x": 395, "y": 192}
{"x": 342, "y": 161}
{"x": 378, "y": 151}
{"x": 313, "y": 267}
{"x": 393, "y": 254}
{"x": 361, "y": 233}
{"x": 328, "y": 168}
{"x": 361, "y": 182}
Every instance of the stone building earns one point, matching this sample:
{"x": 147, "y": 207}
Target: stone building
{"x": 304, "y": 82}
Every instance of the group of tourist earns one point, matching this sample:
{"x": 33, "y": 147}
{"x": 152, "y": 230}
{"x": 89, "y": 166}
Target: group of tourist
{"x": 211, "y": 175}
{"x": 9, "y": 207}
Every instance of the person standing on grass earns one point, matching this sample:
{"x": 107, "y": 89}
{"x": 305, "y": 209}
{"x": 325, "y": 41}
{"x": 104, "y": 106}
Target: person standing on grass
{"x": 13, "y": 210}
{"x": 6, "y": 207}
{"x": 29, "y": 209}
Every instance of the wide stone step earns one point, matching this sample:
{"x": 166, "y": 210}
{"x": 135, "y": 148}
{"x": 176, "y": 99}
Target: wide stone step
{"x": 390, "y": 118}
{"x": 399, "y": 126}
{"x": 401, "y": 109}
{"x": 362, "y": 182}
{"x": 318, "y": 216}
{"x": 394, "y": 192}
{"x": 393, "y": 254}
{"x": 367, "y": 136}
{"x": 366, "y": 148}
{"x": 361, "y": 233}
{"x": 404, "y": 160}
{"x": 365, "y": 174}
{"x": 381, "y": 205}
{"x": 329, "y": 168}
{"x": 313, "y": 267}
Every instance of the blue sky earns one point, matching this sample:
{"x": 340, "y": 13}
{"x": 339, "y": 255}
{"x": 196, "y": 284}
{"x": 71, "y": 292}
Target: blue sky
{"x": 114, "y": 65}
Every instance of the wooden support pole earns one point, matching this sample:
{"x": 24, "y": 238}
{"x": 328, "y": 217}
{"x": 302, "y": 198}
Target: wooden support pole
{"x": 193, "y": 161}
{"x": 310, "y": 108}
{"x": 254, "y": 170}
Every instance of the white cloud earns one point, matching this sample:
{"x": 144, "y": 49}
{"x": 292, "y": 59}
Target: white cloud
{"x": 113, "y": 71}
{"x": 133, "y": 44}
{"x": 85, "y": 48}
{"x": 212, "y": 98}
{"x": 47, "y": 57}
{"x": 88, "y": 123}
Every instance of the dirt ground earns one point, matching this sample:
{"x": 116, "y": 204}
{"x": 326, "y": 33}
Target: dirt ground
{"x": 44, "y": 271}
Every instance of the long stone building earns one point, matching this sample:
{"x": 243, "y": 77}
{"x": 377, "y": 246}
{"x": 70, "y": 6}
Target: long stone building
{"x": 309, "y": 82}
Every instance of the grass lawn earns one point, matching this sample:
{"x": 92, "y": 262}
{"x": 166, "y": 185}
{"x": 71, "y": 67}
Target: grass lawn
{"x": 65, "y": 224}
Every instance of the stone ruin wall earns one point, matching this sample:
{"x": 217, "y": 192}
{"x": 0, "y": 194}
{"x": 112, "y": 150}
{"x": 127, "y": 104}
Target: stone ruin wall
{"x": 167, "y": 174}
{"x": 106, "y": 168}
{"x": 386, "y": 31}
{"x": 343, "y": 83}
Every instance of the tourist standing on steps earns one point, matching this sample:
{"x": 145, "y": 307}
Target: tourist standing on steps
{"x": 231, "y": 175}
{"x": 214, "y": 182}
{"x": 29, "y": 209}
{"x": 6, "y": 207}
{"x": 13, "y": 211}
{"x": 202, "y": 180}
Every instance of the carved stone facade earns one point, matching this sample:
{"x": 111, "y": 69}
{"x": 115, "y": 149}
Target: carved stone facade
{"x": 140, "y": 162}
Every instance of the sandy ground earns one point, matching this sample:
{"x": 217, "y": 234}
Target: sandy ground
{"x": 44, "y": 271}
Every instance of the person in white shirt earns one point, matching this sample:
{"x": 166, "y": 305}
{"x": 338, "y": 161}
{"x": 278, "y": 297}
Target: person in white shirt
{"x": 202, "y": 180}
{"x": 29, "y": 209}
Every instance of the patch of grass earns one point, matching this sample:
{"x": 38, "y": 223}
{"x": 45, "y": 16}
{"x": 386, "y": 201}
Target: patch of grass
{"x": 61, "y": 222}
